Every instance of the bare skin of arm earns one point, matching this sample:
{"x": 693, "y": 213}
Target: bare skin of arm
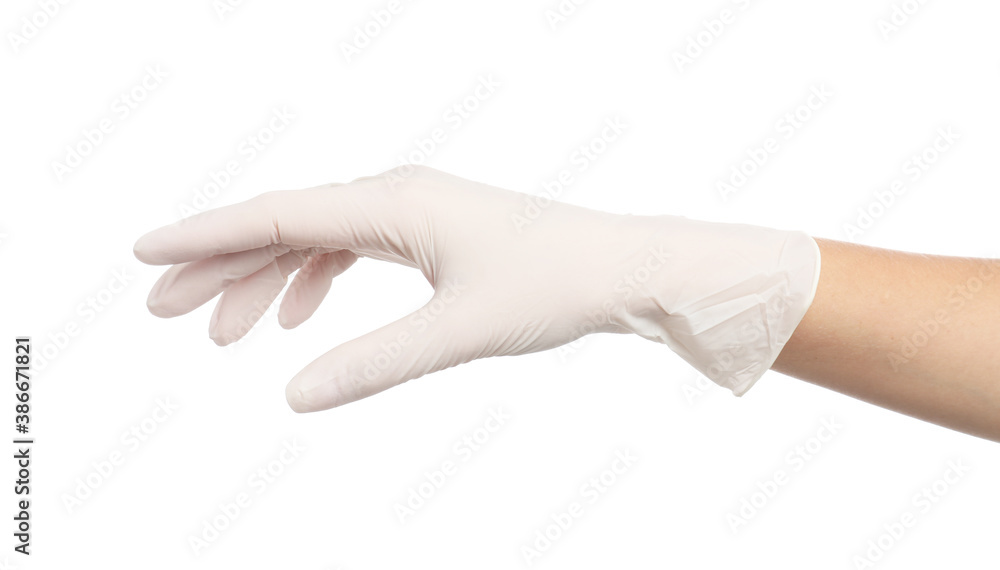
{"x": 918, "y": 334}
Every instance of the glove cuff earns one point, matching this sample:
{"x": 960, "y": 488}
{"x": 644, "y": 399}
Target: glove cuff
{"x": 731, "y": 298}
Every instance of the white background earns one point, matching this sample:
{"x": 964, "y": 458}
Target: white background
{"x": 699, "y": 450}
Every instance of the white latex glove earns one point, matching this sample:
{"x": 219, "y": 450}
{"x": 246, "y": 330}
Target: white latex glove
{"x": 509, "y": 277}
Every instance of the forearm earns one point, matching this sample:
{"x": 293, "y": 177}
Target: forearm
{"x": 913, "y": 333}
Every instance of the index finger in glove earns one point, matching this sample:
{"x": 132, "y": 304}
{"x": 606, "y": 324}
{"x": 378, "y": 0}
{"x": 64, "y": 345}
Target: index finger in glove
{"x": 350, "y": 216}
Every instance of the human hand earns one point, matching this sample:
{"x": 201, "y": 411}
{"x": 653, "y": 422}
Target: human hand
{"x": 511, "y": 274}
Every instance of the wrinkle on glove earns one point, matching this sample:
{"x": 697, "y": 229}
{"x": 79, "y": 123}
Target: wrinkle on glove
{"x": 733, "y": 323}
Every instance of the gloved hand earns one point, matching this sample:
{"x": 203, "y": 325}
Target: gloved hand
{"x": 511, "y": 273}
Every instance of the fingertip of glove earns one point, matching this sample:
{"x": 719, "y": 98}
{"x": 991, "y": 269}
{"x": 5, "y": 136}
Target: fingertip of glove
{"x": 297, "y": 400}
{"x": 143, "y": 251}
{"x": 221, "y": 337}
{"x": 159, "y": 310}
{"x": 153, "y": 249}
{"x": 307, "y": 392}
{"x": 285, "y": 321}
{"x": 154, "y": 301}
